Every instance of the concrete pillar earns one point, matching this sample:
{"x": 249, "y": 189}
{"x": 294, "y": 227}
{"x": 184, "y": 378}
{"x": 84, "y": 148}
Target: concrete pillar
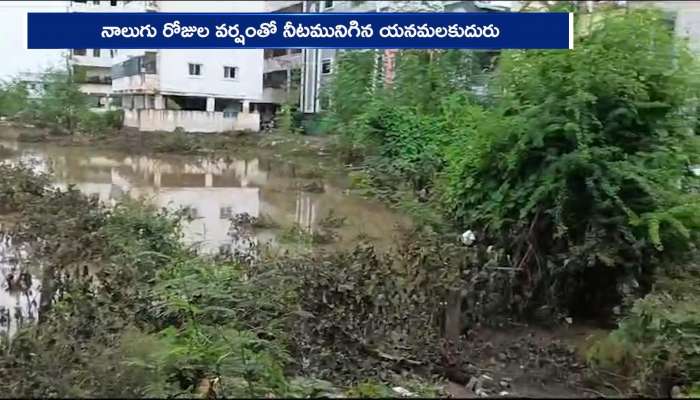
{"x": 288, "y": 87}
{"x": 156, "y": 179}
{"x": 210, "y": 104}
{"x": 246, "y": 106}
{"x": 208, "y": 180}
{"x": 159, "y": 102}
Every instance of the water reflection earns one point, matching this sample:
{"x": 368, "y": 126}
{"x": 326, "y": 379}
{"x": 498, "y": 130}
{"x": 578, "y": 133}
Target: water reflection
{"x": 214, "y": 190}
{"x": 19, "y": 297}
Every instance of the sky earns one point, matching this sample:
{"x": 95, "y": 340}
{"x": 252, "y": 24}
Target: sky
{"x": 14, "y": 55}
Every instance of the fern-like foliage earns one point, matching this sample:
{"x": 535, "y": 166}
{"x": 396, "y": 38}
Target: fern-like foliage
{"x": 590, "y": 146}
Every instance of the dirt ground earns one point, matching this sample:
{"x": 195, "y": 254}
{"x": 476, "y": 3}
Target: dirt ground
{"x": 526, "y": 361}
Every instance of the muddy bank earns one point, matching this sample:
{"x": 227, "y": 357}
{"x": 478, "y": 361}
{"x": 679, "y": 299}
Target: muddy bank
{"x": 135, "y": 142}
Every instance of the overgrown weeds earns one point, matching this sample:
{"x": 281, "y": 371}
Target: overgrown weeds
{"x": 578, "y": 166}
{"x": 155, "y": 319}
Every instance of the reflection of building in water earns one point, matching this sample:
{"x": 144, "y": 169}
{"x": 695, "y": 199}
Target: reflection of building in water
{"x": 305, "y": 215}
{"x": 213, "y": 190}
{"x": 17, "y": 307}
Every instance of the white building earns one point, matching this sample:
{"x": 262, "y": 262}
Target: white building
{"x": 298, "y": 76}
{"x": 206, "y": 90}
{"x": 91, "y": 68}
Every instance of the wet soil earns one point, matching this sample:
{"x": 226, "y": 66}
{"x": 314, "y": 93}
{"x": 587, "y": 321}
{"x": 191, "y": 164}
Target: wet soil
{"x": 528, "y": 361}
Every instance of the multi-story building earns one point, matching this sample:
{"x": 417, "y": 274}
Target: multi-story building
{"x": 194, "y": 90}
{"x": 91, "y": 68}
{"x": 683, "y": 15}
{"x": 298, "y": 76}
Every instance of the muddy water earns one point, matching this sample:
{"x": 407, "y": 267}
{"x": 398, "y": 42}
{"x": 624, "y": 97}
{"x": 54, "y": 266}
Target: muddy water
{"x": 213, "y": 189}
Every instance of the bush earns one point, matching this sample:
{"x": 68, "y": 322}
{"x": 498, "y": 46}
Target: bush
{"x": 100, "y": 123}
{"x": 177, "y": 142}
{"x": 289, "y": 119}
{"x": 62, "y": 104}
{"x": 582, "y": 164}
{"x": 658, "y": 343}
{"x": 114, "y": 118}
{"x": 13, "y": 98}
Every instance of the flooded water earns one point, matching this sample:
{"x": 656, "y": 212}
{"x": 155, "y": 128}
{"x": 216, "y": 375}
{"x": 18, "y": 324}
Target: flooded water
{"x": 214, "y": 191}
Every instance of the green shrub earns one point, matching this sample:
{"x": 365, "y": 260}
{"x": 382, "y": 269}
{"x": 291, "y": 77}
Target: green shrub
{"x": 177, "y": 142}
{"x": 288, "y": 120}
{"x": 100, "y": 123}
{"x": 658, "y": 343}
{"x": 13, "y": 98}
{"x": 62, "y": 103}
{"x": 582, "y": 163}
{"x": 114, "y": 119}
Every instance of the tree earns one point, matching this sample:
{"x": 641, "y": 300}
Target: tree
{"x": 63, "y": 103}
{"x": 13, "y": 97}
{"x": 583, "y": 171}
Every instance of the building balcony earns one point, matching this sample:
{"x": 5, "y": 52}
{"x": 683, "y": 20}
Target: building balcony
{"x": 272, "y": 6}
{"x": 99, "y": 80}
{"x": 95, "y": 6}
{"x": 95, "y": 88}
{"x": 499, "y": 5}
{"x": 90, "y": 61}
{"x": 139, "y": 83}
{"x": 151, "y": 5}
{"x": 281, "y": 63}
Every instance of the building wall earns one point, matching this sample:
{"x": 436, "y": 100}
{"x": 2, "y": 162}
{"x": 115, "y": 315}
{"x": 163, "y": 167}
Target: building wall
{"x": 174, "y": 73}
{"x": 95, "y": 88}
{"x": 150, "y": 120}
{"x": 172, "y": 64}
{"x": 688, "y": 26}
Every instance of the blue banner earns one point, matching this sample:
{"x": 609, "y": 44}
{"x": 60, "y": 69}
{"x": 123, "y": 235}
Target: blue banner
{"x": 498, "y": 30}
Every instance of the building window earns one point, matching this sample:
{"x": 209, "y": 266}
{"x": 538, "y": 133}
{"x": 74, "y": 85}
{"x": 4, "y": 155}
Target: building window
{"x": 326, "y": 66}
{"x": 79, "y": 52}
{"x": 192, "y": 212}
{"x": 225, "y": 212}
{"x": 113, "y": 53}
{"x": 95, "y": 52}
{"x": 328, "y": 4}
{"x": 96, "y": 2}
{"x": 195, "y": 69}
{"x": 230, "y": 72}
{"x": 113, "y": 3}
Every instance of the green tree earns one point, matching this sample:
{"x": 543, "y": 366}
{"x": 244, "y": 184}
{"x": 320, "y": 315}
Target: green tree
{"x": 63, "y": 103}
{"x": 584, "y": 161}
{"x": 13, "y": 97}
